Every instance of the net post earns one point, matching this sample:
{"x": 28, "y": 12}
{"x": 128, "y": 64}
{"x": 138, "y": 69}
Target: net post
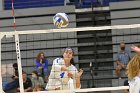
{"x": 19, "y": 62}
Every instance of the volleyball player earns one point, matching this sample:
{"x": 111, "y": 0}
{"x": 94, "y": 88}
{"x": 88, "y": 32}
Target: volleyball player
{"x": 64, "y": 75}
{"x": 133, "y": 71}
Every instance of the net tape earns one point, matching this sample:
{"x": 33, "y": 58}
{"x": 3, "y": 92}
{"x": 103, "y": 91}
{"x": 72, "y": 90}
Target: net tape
{"x": 84, "y": 90}
{"x": 72, "y": 29}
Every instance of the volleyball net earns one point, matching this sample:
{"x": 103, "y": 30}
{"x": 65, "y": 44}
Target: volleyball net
{"x": 95, "y": 50}
{"x": 119, "y": 89}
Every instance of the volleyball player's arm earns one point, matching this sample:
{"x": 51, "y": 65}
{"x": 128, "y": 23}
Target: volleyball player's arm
{"x": 78, "y": 82}
{"x": 57, "y": 66}
{"x": 136, "y": 49}
{"x": 77, "y": 77}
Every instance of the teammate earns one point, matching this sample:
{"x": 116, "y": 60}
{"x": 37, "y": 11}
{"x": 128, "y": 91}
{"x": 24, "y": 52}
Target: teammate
{"x": 63, "y": 74}
{"x": 133, "y": 71}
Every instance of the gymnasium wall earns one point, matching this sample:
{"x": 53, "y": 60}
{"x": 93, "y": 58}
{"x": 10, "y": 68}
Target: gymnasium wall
{"x": 35, "y": 19}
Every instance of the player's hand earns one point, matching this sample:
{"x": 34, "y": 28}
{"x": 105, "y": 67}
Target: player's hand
{"x": 70, "y": 74}
{"x": 135, "y": 48}
{"x": 80, "y": 72}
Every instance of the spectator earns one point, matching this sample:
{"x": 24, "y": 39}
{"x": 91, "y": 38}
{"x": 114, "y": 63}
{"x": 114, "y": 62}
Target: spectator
{"x": 12, "y": 86}
{"x": 133, "y": 71}
{"x": 42, "y": 65}
{"x": 63, "y": 74}
{"x": 123, "y": 58}
{"x": 15, "y": 76}
{"x": 26, "y": 83}
{"x": 37, "y": 80}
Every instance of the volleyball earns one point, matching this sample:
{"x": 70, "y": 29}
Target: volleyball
{"x": 61, "y": 20}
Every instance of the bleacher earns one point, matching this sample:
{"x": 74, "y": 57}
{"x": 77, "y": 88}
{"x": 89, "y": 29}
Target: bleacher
{"x": 21, "y": 4}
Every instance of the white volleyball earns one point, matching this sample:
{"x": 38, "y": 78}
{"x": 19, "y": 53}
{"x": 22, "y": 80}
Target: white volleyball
{"x": 61, "y": 20}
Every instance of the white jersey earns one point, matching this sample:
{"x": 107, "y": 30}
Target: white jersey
{"x": 58, "y": 78}
{"x": 134, "y": 85}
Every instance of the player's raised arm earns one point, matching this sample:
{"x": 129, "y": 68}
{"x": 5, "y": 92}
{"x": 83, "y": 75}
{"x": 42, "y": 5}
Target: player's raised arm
{"x": 136, "y": 49}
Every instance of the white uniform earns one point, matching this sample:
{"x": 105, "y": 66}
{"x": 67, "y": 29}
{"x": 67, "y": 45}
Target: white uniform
{"x": 134, "y": 85}
{"x": 58, "y": 78}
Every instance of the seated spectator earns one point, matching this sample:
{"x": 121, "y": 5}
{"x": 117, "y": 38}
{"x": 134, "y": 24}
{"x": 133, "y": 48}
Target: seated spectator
{"x": 42, "y": 65}
{"x": 126, "y": 84}
{"x": 12, "y": 86}
{"x": 37, "y": 80}
{"x": 26, "y": 83}
{"x": 15, "y": 76}
{"x": 123, "y": 58}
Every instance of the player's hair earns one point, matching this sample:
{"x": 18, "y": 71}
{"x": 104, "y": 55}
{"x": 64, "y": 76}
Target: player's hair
{"x": 133, "y": 67}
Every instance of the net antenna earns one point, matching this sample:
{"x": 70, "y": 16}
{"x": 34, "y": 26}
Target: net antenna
{"x": 17, "y": 50}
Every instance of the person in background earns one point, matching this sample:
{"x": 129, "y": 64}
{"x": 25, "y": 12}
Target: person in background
{"x": 37, "y": 80}
{"x": 42, "y": 65}
{"x": 27, "y": 83}
{"x": 11, "y": 87}
{"x": 15, "y": 67}
{"x": 123, "y": 58}
{"x": 63, "y": 74}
